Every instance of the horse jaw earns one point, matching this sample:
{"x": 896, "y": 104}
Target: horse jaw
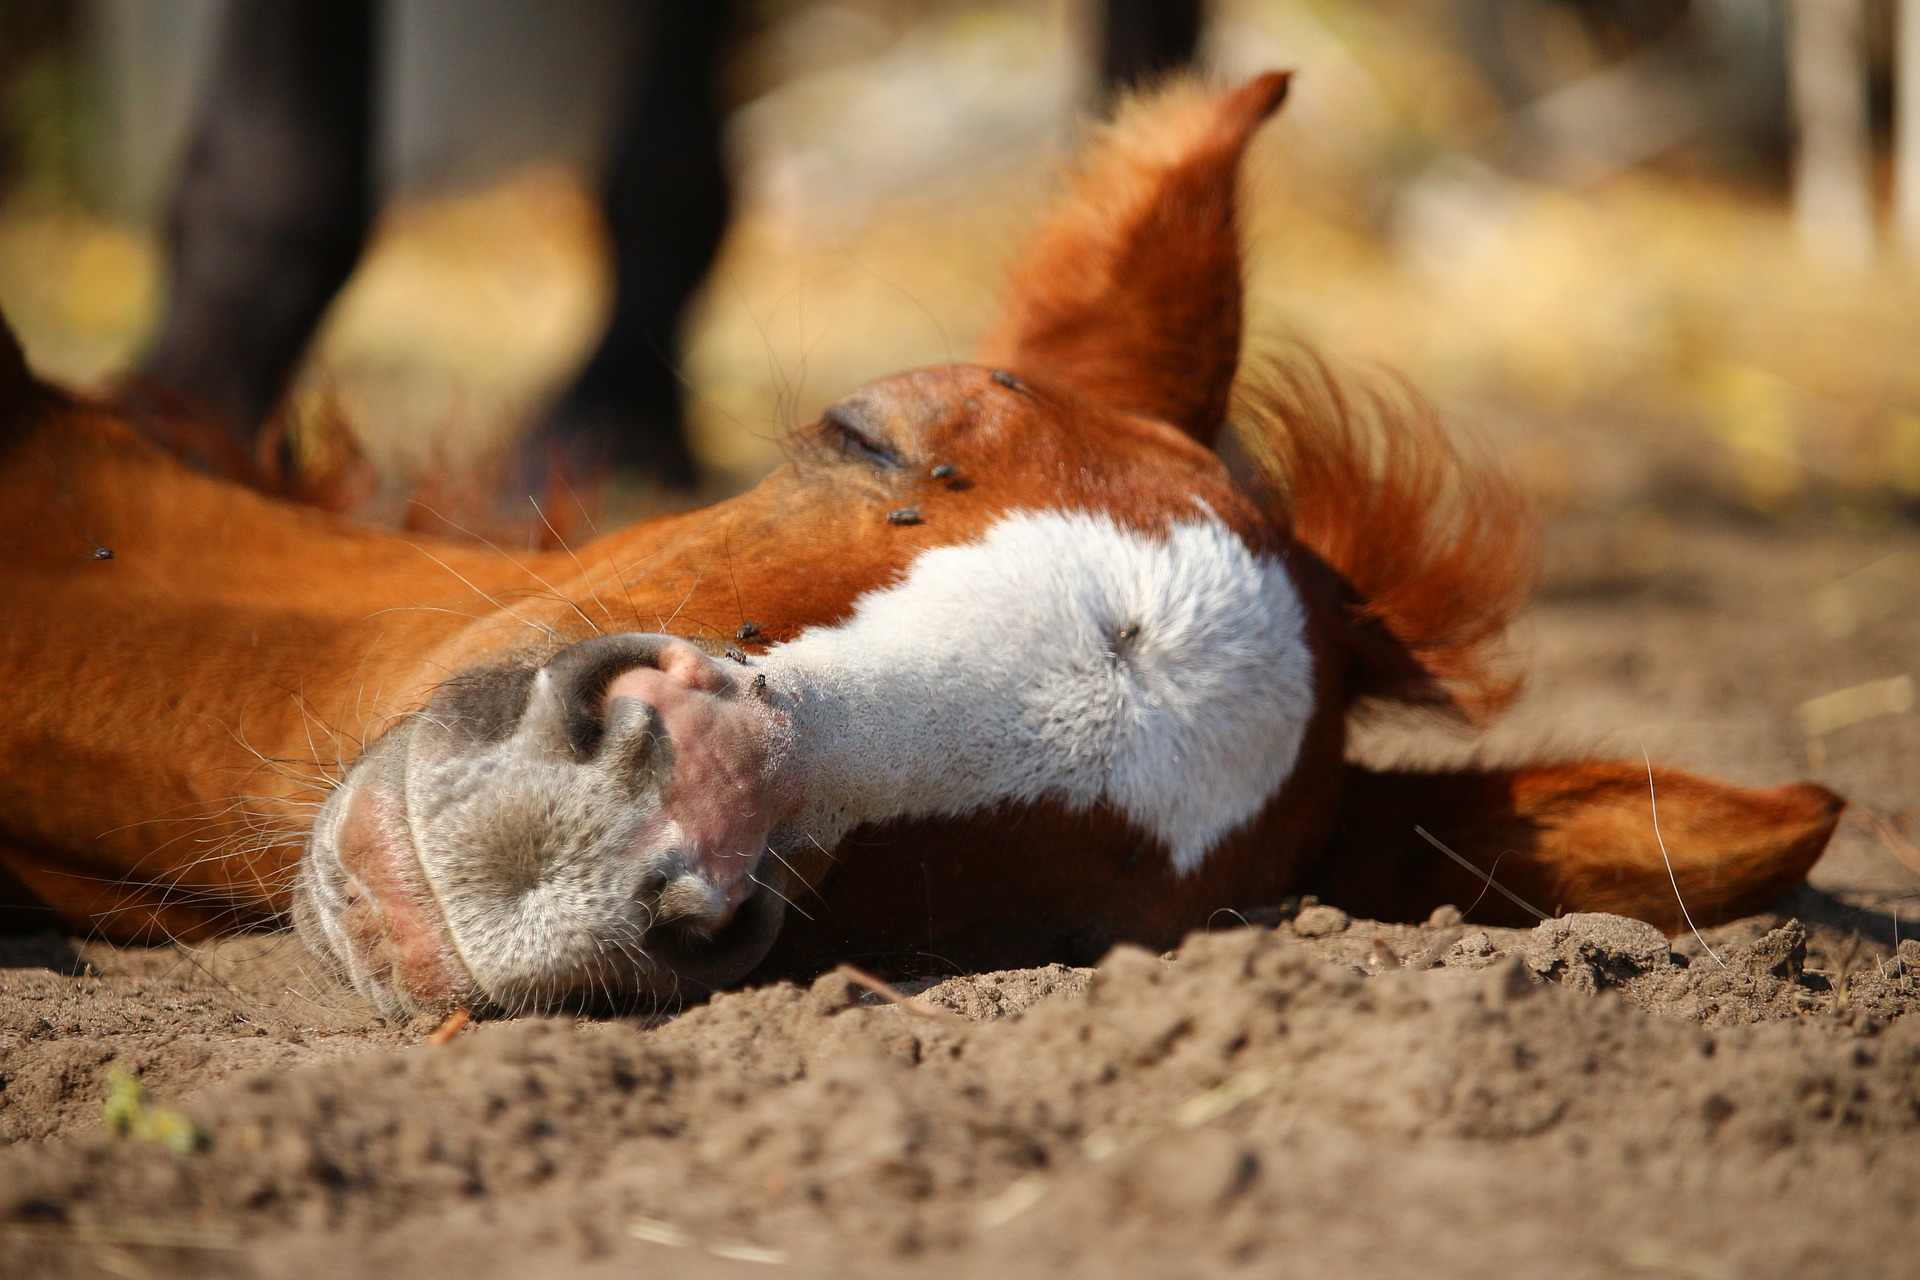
{"x": 1058, "y": 657}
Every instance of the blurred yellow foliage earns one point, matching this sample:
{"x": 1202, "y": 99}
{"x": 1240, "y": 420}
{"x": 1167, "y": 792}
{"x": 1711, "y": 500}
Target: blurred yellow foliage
{"x": 110, "y": 281}
{"x": 1902, "y": 455}
{"x": 1751, "y": 411}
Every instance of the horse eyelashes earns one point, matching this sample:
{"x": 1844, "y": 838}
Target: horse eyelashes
{"x": 856, "y": 441}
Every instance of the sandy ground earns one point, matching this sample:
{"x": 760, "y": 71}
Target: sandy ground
{"x": 1312, "y": 1095}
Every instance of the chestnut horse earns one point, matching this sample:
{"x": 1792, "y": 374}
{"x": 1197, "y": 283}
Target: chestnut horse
{"x": 1024, "y": 667}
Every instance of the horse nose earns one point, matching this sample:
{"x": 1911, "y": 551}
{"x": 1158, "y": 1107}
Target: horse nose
{"x": 579, "y": 711}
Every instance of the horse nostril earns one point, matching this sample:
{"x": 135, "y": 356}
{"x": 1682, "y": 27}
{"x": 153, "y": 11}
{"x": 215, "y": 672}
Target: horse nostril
{"x": 569, "y": 711}
{"x": 563, "y": 719}
{"x": 634, "y": 745}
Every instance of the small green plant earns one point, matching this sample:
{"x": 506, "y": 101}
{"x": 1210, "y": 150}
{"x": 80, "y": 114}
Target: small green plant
{"x": 130, "y": 1112}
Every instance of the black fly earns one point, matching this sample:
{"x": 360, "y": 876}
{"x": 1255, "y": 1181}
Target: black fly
{"x": 949, "y": 475}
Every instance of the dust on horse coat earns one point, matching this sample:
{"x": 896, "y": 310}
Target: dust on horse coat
{"x": 1025, "y": 668}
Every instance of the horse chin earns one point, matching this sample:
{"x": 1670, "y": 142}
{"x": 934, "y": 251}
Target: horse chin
{"x": 695, "y": 962}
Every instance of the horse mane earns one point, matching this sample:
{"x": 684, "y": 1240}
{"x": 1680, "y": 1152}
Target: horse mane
{"x": 1130, "y": 292}
{"x": 1434, "y": 554}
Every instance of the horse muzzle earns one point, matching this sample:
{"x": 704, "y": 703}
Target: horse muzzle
{"x": 589, "y": 829}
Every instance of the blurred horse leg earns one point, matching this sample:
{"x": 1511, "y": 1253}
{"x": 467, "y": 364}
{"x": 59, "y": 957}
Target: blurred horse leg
{"x": 1141, "y": 40}
{"x": 667, "y": 202}
{"x": 272, "y": 207}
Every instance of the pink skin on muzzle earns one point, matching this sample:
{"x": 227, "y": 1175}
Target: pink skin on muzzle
{"x": 390, "y": 918}
{"x": 719, "y": 804}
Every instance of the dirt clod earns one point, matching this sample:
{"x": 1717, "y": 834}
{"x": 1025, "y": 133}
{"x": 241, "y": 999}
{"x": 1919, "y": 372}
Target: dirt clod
{"x": 1780, "y": 952}
{"x": 1591, "y": 950}
{"x": 1319, "y": 921}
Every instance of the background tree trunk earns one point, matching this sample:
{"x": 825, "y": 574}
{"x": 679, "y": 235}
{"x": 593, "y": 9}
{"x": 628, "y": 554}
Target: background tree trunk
{"x": 1906, "y": 126}
{"x": 1832, "y": 170}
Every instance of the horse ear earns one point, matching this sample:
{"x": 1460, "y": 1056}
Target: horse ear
{"x": 1579, "y": 837}
{"x": 1130, "y": 291}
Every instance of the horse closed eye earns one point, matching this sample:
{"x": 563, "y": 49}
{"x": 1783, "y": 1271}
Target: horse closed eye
{"x": 843, "y": 428}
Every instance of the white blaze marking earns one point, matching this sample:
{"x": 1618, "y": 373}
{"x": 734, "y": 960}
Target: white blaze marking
{"x": 1061, "y": 657}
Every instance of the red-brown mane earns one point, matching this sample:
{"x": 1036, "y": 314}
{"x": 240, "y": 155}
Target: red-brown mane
{"x": 1434, "y": 554}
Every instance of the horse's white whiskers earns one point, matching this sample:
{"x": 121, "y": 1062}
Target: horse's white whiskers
{"x": 768, "y": 886}
{"x": 1485, "y": 877}
{"x": 586, "y": 579}
{"x": 469, "y": 584}
{"x": 522, "y": 566}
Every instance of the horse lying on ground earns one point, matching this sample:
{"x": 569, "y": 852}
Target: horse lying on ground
{"x": 1023, "y": 668}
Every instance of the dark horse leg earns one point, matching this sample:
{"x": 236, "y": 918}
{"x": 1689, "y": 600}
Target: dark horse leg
{"x": 666, "y": 204}
{"x": 272, "y": 207}
{"x": 1143, "y": 39}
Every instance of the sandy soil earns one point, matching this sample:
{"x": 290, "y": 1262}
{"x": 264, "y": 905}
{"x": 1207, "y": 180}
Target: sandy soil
{"x": 1311, "y": 1095}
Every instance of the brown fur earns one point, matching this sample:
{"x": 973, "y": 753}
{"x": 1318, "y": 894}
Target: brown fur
{"x": 213, "y": 677}
{"x": 1576, "y": 837}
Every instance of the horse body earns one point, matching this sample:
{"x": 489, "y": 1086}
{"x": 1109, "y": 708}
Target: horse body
{"x": 1024, "y": 669}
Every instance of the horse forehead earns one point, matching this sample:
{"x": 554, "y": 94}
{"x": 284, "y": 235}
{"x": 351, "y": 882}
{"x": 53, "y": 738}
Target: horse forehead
{"x": 1037, "y": 445}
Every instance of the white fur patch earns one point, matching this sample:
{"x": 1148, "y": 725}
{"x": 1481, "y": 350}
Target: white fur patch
{"x": 1060, "y": 657}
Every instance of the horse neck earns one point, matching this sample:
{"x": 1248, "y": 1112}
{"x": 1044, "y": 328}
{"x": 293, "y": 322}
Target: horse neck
{"x": 231, "y": 655}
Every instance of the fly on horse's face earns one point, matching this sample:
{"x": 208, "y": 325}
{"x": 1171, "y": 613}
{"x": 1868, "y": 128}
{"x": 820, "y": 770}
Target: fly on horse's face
{"x": 1032, "y": 670}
